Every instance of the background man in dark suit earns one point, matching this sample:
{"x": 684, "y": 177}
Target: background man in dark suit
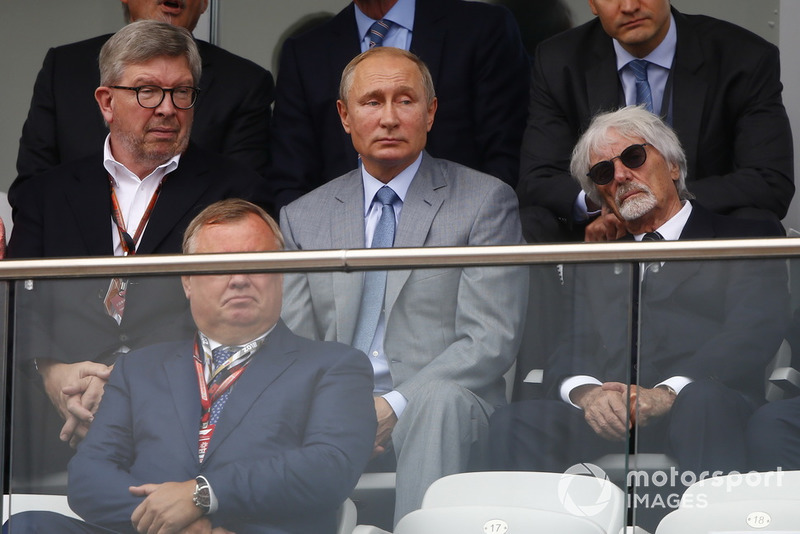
{"x": 439, "y": 340}
{"x": 706, "y": 330}
{"x": 158, "y": 181}
{"x": 478, "y": 63}
{"x": 232, "y": 112}
{"x": 717, "y": 84}
{"x": 282, "y": 439}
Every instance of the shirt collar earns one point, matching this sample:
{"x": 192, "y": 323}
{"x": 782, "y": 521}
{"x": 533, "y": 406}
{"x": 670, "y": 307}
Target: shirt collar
{"x": 214, "y": 344}
{"x": 402, "y": 14}
{"x": 116, "y": 169}
{"x": 672, "y": 229}
{"x": 399, "y": 183}
{"x": 663, "y": 54}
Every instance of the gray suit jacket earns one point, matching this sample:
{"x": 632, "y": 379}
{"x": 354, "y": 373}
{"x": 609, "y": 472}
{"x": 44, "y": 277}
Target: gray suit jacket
{"x": 450, "y": 323}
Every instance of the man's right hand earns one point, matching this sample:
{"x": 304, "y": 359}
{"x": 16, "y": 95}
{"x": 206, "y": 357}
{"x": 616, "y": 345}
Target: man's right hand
{"x": 605, "y": 409}
{"x": 606, "y": 227}
{"x": 74, "y": 388}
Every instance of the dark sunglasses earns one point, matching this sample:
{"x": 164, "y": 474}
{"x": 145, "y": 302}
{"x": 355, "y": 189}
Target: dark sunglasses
{"x": 632, "y": 157}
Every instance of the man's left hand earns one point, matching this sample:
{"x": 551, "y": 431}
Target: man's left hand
{"x": 167, "y": 508}
{"x": 386, "y": 423}
{"x": 653, "y": 403}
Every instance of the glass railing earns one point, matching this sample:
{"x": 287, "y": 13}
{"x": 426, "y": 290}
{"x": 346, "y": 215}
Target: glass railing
{"x": 698, "y": 328}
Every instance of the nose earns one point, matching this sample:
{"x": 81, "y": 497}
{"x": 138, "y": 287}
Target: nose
{"x": 239, "y": 280}
{"x": 166, "y": 107}
{"x": 389, "y": 116}
{"x": 629, "y": 6}
{"x": 621, "y": 172}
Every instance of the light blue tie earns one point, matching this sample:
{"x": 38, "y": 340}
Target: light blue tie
{"x": 643, "y": 93}
{"x": 375, "y": 281}
{"x": 377, "y": 32}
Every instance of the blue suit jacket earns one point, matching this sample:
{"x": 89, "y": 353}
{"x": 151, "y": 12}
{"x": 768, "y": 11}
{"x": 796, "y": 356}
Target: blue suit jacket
{"x": 292, "y": 440}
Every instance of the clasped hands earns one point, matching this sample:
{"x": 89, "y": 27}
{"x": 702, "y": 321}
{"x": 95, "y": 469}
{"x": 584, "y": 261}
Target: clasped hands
{"x": 605, "y": 407}
{"x": 168, "y": 508}
{"x": 75, "y": 389}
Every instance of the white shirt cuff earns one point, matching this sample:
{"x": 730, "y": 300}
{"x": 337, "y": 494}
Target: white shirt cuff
{"x": 676, "y": 382}
{"x": 579, "y": 210}
{"x": 573, "y": 382}
{"x": 397, "y": 401}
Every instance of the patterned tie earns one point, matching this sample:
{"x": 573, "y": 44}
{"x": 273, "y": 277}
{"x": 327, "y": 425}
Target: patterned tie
{"x": 375, "y": 281}
{"x": 220, "y": 355}
{"x": 377, "y": 32}
{"x": 643, "y": 93}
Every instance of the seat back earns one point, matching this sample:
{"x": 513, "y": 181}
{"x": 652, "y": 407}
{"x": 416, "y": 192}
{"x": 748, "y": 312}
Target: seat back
{"x": 493, "y": 519}
{"x": 735, "y": 517}
{"x": 597, "y": 500}
{"x": 777, "y": 485}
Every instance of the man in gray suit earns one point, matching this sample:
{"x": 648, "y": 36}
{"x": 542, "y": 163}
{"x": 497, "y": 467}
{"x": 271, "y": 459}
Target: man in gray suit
{"x": 439, "y": 339}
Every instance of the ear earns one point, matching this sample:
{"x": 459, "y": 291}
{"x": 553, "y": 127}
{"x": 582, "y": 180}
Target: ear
{"x": 674, "y": 172}
{"x": 186, "y": 282}
{"x": 103, "y": 95}
{"x": 432, "y": 112}
{"x": 344, "y": 116}
{"x": 205, "y": 6}
{"x": 592, "y": 7}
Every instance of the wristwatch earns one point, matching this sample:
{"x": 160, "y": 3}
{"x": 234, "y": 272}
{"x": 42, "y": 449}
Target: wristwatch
{"x": 202, "y": 494}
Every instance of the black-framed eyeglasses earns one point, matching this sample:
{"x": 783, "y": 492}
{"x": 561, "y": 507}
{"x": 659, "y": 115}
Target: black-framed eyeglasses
{"x": 151, "y": 96}
{"x": 632, "y": 157}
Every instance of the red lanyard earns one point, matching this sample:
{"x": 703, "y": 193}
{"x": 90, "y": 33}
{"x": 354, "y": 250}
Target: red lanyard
{"x": 128, "y": 243}
{"x": 209, "y": 395}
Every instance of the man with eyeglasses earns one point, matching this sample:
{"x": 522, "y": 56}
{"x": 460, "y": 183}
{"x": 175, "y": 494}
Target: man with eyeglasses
{"x": 706, "y": 330}
{"x": 718, "y": 85}
{"x": 136, "y": 195}
{"x": 232, "y": 114}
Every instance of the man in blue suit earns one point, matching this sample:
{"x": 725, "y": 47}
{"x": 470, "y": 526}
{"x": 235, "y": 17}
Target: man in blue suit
{"x": 247, "y": 428}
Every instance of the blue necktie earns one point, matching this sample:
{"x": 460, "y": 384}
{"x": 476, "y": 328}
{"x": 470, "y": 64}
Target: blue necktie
{"x": 375, "y": 281}
{"x": 643, "y": 93}
{"x": 220, "y": 355}
{"x": 377, "y": 32}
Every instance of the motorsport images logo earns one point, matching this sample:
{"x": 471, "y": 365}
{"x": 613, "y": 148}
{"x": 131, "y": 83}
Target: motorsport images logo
{"x": 587, "y": 495}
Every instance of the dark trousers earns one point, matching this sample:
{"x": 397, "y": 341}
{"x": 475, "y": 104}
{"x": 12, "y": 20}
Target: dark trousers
{"x": 40, "y": 522}
{"x": 773, "y": 436}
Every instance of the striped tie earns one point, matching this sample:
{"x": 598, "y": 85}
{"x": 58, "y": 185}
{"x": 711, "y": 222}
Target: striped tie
{"x": 377, "y": 32}
{"x": 643, "y": 93}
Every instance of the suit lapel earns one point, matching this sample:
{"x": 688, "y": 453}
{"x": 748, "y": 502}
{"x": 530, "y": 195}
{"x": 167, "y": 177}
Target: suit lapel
{"x": 271, "y": 360}
{"x": 90, "y": 203}
{"x": 689, "y": 90}
{"x": 423, "y": 200}
{"x": 180, "y": 194}
{"x": 185, "y": 394}
{"x": 347, "y": 232}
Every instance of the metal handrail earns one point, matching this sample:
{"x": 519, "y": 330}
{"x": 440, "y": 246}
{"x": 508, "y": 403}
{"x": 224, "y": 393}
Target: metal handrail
{"x": 401, "y": 258}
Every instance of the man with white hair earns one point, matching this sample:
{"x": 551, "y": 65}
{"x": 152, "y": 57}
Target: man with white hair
{"x": 706, "y": 330}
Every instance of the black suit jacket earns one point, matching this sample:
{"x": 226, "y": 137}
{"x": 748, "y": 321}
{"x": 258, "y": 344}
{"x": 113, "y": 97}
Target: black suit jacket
{"x": 64, "y": 123}
{"x": 479, "y": 68}
{"x": 67, "y": 212}
{"x": 727, "y": 112}
{"x": 290, "y": 444}
{"x": 720, "y": 320}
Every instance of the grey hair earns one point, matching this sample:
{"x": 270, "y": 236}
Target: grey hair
{"x": 629, "y": 122}
{"x": 143, "y": 40}
{"x": 228, "y": 211}
{"x": 349, "y": 71}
